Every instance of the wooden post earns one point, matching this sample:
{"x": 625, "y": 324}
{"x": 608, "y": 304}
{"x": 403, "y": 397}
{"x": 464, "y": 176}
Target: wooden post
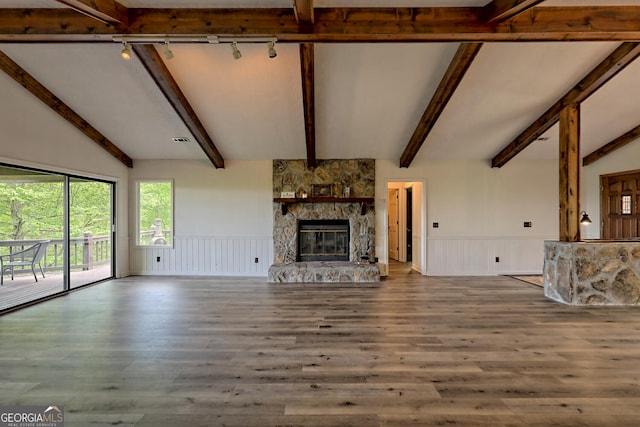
{"x": 570, "y": 173}
{"x": 87, "y": 251}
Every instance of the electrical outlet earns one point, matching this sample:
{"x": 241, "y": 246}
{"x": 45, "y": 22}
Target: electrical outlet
{"x": 497, "y": 259}
{"x": 436, "y": 225}
{"x": 528, "y": 224}
{"x": 255, "y": 260}
{"x": 157, "y": 259}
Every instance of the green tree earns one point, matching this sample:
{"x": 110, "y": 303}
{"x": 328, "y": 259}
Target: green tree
{"x": 155, "y": 203}
{"x": 30, "y": 210}
{"x": 34, "y": 210}
{"x": 90, "y": 203}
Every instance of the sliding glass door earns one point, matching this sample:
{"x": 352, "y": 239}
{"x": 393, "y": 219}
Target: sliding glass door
{"x": 90, "y": 231}
{"x": 55, "y": 233}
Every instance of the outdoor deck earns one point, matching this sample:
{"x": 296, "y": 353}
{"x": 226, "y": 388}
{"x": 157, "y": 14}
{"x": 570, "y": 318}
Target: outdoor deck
{"x": 24, "y": 288}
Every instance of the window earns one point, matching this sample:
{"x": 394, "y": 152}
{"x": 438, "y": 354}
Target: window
{"x": 626, "y": 205}
{"x": 155, "y": 213}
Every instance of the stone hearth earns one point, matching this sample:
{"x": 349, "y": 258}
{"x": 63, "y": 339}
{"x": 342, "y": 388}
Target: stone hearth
{"x": 324, "y": 272}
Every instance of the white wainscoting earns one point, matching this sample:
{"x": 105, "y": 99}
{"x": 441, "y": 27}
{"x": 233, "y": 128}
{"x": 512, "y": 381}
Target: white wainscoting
{"x": 206, "y": 256}
{"x": 464, "y": 256}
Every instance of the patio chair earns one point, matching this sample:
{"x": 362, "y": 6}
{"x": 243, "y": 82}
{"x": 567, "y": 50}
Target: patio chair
{"x": 29, "y": 257}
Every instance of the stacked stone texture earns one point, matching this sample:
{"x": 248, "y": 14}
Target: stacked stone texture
{"x": 293, "y": 175}
{"x": 592, "y": 273}
{"x": 324, "y": 272}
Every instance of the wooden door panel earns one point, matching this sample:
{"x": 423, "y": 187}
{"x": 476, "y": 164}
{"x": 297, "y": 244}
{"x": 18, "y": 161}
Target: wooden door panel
{"x": 616, "y": 223}
{"x": 394, "y": 237}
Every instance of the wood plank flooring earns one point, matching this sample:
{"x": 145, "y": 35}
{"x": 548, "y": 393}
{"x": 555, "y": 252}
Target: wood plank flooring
{"x": 409, "y": 351}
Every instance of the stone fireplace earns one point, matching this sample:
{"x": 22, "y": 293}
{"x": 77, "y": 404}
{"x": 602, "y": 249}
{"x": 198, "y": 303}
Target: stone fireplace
{"x": 336, "y": 191}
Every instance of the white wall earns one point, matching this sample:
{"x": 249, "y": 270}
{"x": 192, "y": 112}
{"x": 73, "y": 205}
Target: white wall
{"x": 480, "y": 212}
{"x": 34, "y": 136}
{"x": 223, "y": 219}
{"x": 626, "y": 158}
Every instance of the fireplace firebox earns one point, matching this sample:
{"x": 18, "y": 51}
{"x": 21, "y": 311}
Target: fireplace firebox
{"x": 323, "y": 240}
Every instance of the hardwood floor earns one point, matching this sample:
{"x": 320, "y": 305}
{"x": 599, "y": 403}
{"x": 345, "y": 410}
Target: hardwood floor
{"x": 409, "y": 351}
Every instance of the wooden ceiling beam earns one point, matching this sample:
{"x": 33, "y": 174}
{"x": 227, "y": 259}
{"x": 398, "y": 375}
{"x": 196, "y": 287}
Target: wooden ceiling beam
{"x": 458, "y": 67}
{"x": 612, "y": 146}
{"x": 460, "y": 24}
{"x": 105, "y": 11}
{"x": 596, "y": 78}
{"x": 27, "y": 81}
{"x": 159, "y": 72}
{"x": 303, "y": 11}
{"x": 308, "y": 100}
{"x": 500, "y": 10}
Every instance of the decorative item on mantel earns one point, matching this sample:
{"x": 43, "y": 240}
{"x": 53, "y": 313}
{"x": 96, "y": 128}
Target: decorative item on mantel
{"x": 322, "y": 190}
{"x": 288, "y": 194}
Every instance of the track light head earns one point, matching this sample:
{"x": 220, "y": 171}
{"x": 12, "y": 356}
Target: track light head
{"x": 236, "y": 52}
{"x": 166, "y": 51}
{"x": 272, "y": 49}
{"x": 126, "y": 51}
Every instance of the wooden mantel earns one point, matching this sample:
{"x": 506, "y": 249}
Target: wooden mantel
{"x": 284, "y": 203}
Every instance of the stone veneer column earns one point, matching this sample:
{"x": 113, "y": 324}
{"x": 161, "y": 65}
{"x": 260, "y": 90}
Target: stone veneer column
{"x": 592, "y": 273}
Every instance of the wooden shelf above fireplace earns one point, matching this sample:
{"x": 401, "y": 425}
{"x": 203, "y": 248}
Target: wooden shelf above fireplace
{"x": 364, "y": 201}
{"x": 325, "y": 200}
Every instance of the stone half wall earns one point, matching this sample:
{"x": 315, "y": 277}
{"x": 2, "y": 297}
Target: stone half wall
{"x": 592, "y": 273}
{"x": 293, "y": 175}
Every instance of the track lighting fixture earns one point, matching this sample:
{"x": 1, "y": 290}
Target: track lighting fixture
{"x": 126, "y": 51}
{"x": 165, "y": 40}
{"x": 272, "y": 49}
{"x": 236, "y": 52}
{"x": 166, "y": 51}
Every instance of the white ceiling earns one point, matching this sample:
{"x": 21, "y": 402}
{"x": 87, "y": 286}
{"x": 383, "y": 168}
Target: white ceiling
{"x": 368, "y": 97}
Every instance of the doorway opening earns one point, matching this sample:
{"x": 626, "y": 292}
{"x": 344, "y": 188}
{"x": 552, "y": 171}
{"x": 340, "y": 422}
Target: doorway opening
{"x": 406, "y": 219}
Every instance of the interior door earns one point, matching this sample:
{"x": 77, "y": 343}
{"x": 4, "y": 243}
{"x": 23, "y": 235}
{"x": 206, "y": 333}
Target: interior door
{"x": 619, "y": 206}
{"x": 394, "y": 244}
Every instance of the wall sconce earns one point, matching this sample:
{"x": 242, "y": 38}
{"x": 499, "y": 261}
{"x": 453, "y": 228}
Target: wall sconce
{"x": 585, "y": 220}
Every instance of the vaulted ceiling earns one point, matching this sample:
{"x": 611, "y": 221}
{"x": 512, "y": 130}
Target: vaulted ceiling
{"x": 399, "y": 80}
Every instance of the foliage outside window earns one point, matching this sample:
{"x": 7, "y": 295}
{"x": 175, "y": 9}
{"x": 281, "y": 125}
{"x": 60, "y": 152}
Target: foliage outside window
{"x": 31, "y": 210}
{"x": 155, "y": 213}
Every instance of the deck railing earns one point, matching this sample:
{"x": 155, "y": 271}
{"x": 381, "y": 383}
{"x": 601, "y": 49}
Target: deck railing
{"x": 146, "y": 237}
{"x": 85, "y": 252}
